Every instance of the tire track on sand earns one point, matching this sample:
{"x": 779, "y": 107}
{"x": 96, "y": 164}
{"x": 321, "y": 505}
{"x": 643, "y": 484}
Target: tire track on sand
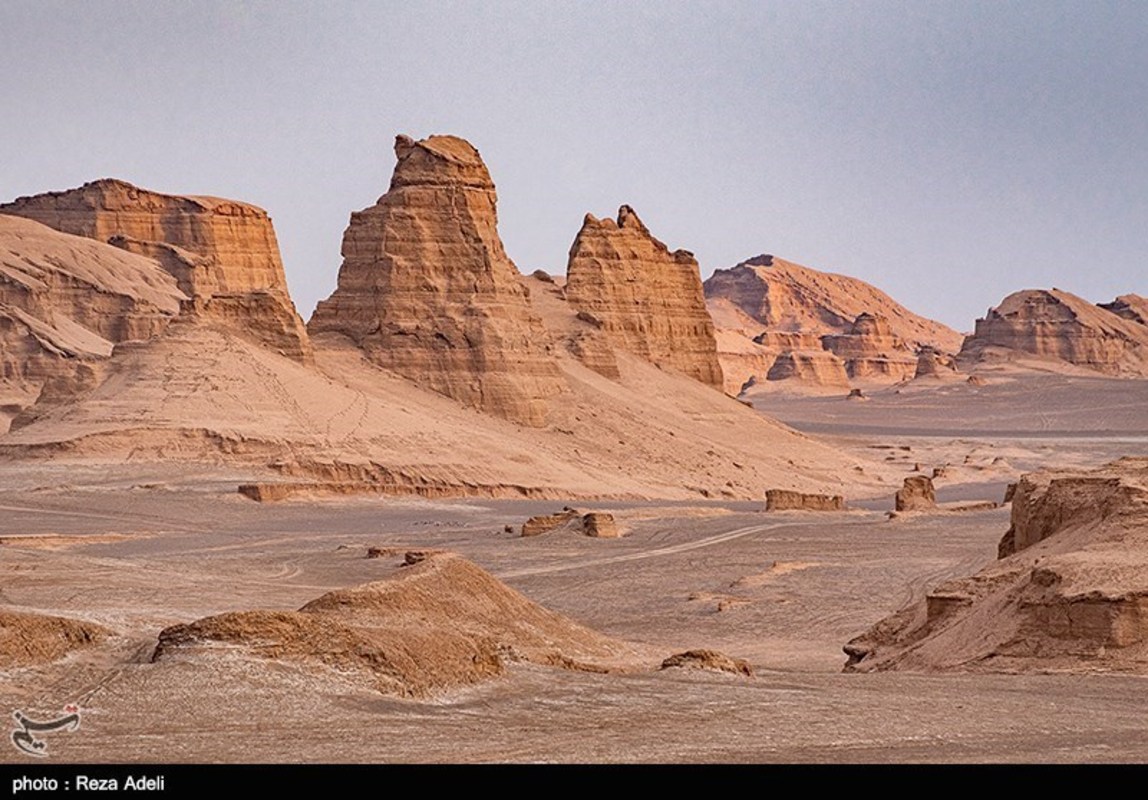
{"x": 684, "y": 547}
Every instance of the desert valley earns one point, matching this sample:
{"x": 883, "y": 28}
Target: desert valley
{"x": 605, "y": 512}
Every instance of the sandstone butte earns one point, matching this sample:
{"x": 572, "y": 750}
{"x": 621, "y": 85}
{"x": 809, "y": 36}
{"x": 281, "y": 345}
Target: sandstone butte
{"x": 766, "y": 307}
{"x": 645, "y": 298}
{"x": 427, "y": 290}
{"x": 65, "y": 302}
{"x": 1068, "y": 591}
{"x": 1056, "y": 326}
{"x": 222, "y": 253}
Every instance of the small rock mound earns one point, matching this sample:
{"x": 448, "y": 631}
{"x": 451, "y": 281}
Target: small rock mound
{"x": 27, "y": 639}
{"x": 438, "y": 621}
{"x": 709, "y": 659}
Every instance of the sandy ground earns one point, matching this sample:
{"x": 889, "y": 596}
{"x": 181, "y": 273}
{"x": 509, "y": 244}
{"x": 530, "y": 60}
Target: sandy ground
{"x": 138, "y": 548}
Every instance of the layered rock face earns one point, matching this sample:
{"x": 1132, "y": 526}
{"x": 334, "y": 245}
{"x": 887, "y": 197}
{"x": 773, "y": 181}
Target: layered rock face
{"x": 1069, "y": 593}
{"x": 932, "y": 363}
{"x": 813, "y": 368}
{"x": 786, "y": 308}
{"x": 1129, "y": 306}
{"x": 65, "y": 301}
{"x": 785, "y": 500}
{"x": 646, "y": 299}
{"x": 916, "y": 494}
{"x": 870, "y": 350}
{"x": 1056, "y": 325}
{"x": 223, "y": 253}
{"x": 427, "y": 290}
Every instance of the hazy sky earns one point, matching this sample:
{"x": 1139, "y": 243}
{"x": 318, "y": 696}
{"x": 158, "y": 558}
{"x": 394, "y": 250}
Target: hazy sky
{"x": 949, "y": 153}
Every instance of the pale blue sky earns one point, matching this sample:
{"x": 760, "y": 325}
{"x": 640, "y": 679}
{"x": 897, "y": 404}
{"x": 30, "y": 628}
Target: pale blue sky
{"x": 949, "y": 153}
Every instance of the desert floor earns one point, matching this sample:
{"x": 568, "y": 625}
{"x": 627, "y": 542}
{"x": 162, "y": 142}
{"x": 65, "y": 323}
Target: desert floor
{"x": 138, "y": 548}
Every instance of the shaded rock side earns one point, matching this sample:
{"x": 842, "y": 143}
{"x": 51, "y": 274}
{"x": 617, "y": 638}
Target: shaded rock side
{"x": 65, "y": 302}
{"x": 916, "y": 494}
{"x": 434, "y": 622}
{"x": 786, "y": 500}
{"x": 1129, "y": 306}
{"x": 1070, "y": 594}
{"x": 427, "y": 290}
{"x": 1051, "y": 324}
{"x": 223, "y": 253}
{"x": 647, "y": 299}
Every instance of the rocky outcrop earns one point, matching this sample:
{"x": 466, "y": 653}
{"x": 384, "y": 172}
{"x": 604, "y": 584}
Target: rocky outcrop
{"x": 646, "y": 299}
{"x": 1129, "y": 306}
{"x": 784, "y": 307}
{"x": 785, "y": 500}
{"x": 1070, "y": 592}
{"x": 65, "y": 302}
{"x": 30, "y": 639}
{"x": 709, "y": 659}
{"x": 812, "y": 368}
{"x": 433, "y": 623}
{"x": 871, "y": 350}
{"x": 916, "y": 494}
{"x": 427, "y": 290}
{"x": 222, "y": 253}
{"x": 931, "y": 363}
{"x": 1057, "y": 326}
{"x": 595, "y": 524}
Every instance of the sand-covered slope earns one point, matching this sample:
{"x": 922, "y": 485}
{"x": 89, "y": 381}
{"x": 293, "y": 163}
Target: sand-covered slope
{"x": 1070, "y": 591}
{"x": 769, "y": 300}
{"x": 1057, "y": 329}
{"x": 65, "y": 301}
{"x": 438, "y": 623}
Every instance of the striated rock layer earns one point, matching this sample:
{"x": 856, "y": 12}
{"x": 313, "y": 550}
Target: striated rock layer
{"x": 646, "y": 299}
{"x": 222, "y": 253}
{"x": 1058, "y": 326}
{"x": 427, "y": 290}
{"x": 1069, "y": 592}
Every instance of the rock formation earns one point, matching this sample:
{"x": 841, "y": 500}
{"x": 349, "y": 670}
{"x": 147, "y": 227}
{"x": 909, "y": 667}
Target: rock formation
{"x": 427, "y": 290}
{"x": 917, "y": 494}
{"x": 646, "y": 299}
{"x": 65, "y": 301}
{"x": 709, "y": 659}
{"x": 785, "y": 500}
{"x": 783, "y": 307}
{"x": 1070, "y": 592}
{"x": 813, "y": 368}
{"x": 1129, "y": 306}
{"x": 1057, "y": 326}
{"x": 596, "y": 524}
{"x": 223, "y": 253}
{"x": 931, "y": 363}
{"x": 871, "y": 350}
{"x": 433, "y": 623}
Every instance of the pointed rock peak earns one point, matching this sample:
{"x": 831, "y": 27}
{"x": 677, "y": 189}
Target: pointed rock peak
{"x": 763, "y": 260}
{"x": 628, "y": 218}
{"x": 427, "y": 290}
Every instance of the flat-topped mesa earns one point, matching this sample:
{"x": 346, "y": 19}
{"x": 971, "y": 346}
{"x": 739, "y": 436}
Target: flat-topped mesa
{"x": 1051, "y": 324}
{"x": 647, "y": 300}
{"x": 223, "y": 253}
{"x": 427, "y": 290}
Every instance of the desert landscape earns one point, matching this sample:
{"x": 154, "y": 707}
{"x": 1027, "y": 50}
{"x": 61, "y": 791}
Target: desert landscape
{"x": 551, "y": 458}
{"x": 613, "y": 515}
